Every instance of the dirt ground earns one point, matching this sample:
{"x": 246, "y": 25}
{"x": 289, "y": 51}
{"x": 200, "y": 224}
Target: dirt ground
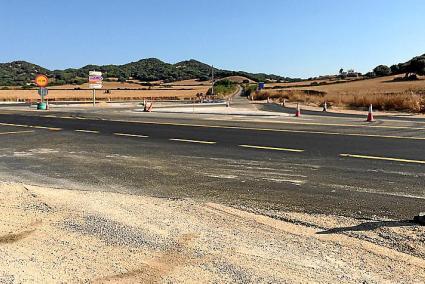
{"x": 56, "y": 235}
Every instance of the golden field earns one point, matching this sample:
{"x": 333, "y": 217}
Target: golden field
{"x": 384, "y": 93}
{"x": 117, "y": 91}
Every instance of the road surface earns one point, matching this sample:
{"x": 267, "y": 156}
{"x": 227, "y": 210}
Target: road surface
{"x": 314, "y": 164}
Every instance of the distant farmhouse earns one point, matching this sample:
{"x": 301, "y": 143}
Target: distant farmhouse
{"x": 350, "y": 73}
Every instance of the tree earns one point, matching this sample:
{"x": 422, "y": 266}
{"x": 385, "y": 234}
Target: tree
{"x": 418, "y": 65}
{"x": 382, "y": 70}
{"x": 395, "y": 69}
{"x": 370, "y": 75}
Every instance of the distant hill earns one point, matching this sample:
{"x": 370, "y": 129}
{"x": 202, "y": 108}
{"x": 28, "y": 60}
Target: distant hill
{"x": 21, "y": 73}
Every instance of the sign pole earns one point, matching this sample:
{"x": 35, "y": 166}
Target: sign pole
{"x": 95, "y": 82}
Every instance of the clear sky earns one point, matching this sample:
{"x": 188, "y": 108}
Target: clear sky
{"x": 298, "y": 38}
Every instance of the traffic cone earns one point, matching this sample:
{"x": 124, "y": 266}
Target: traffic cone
{"x": 325, "y": 107}
{"x": 370, "y": 114}
{"x": 298, "y": 112}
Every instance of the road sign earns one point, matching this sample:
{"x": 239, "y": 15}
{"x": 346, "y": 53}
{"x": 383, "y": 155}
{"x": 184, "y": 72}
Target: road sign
{"x": 95, "y": 80}
{"x": 43, "y": 92}
{"x": 41, "y": 80}
{"x": 261, "y": 86}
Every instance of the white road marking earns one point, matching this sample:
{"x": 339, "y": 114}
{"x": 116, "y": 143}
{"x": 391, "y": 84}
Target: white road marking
{"x": 382, "y": 158}
{"x": 293, "y": 131}
{"x": 48, "y": 128}
{"x": 16, "y": 132}
{"x": 131, "y": 135}
{"x": 193, "y": 141}
{"x": 31, "y": 126}
{"x": 272, "y": 148}
{"x": 87, "y": 131}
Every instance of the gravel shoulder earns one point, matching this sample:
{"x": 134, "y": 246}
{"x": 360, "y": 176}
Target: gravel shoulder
{"x": 50, "y": 235}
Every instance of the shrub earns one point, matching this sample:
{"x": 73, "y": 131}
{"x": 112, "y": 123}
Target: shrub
{"x": 382, "y": 70}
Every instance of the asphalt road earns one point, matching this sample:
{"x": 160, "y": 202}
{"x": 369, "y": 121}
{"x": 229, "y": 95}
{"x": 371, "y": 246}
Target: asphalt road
{"x": 310, "y": 165}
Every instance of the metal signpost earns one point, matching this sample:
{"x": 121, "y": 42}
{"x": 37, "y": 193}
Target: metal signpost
{"x": 95, "y": 82}
{"x": 42, "y": 81}
{"x": 43, "y": 92}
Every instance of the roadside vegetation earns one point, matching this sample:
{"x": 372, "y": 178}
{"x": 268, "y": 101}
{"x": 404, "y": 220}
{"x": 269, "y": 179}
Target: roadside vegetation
{"x": 400, "y": 87}
{"x": 405, "y": 101}
{"x": 223, "y": 88}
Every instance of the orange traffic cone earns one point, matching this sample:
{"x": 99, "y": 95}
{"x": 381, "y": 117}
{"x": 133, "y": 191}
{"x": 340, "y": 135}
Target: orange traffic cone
{"x": 298, "y": 112}
{"x": 370, "y": 114}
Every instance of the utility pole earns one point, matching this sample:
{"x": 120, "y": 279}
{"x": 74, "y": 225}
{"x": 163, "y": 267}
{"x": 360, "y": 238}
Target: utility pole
{"x": 212, "y": 79}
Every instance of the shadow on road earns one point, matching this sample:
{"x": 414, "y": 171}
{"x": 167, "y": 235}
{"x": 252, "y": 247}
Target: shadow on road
{"x": 368, "y": 226}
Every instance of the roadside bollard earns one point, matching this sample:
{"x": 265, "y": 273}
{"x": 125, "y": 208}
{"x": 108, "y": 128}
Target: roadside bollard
{"x": 298, "y": 111}
{"x": 284, "y": 103}
{"x": 325, "y": 107}
{"x": 370, "y": 114}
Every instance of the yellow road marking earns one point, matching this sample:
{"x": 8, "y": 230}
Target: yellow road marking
{"x": 382, "y": 158}
{"x": 16, "y": 132}
{"x": 87, "y": 131}
{"x": 131, "y": 135}
{"x": 272, "y": 148}
{"x": 193, "y": 141}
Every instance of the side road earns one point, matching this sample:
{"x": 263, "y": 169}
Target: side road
{"x": 56, "y": 235}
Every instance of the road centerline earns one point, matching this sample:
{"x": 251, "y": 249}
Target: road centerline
{"x": 271, "y": 148}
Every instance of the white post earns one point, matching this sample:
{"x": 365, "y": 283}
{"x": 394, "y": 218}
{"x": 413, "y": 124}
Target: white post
{"x": 94, "y": 97}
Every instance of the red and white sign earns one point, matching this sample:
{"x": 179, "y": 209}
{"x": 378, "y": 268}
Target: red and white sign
{"x": 95, "y": 80}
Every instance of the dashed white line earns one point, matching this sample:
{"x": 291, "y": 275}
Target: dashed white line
{"x": 31, "y": 126}
{"x": 193, "y": 141}
{"x": 131, "y": 135}
{"x": 272, "y": 148}
{"x": 87, "y": 131}
{"x": 382, "y": 158}
{"x": 16, "y": 132}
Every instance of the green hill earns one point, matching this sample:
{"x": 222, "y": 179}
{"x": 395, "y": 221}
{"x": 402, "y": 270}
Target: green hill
{"x": 21, "y": 73}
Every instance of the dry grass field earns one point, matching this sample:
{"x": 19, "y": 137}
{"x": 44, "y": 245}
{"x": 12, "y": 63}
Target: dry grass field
{"x": 384, "y": 93}
{"x": 116, "y": 91}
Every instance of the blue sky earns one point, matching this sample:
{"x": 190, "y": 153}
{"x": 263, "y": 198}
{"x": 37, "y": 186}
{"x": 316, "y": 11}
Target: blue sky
{"x": 297, "y": 38}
